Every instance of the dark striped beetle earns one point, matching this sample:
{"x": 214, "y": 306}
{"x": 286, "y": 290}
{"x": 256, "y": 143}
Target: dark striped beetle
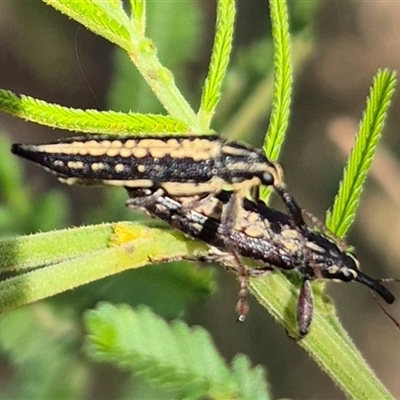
{"x": 181, "y": 165}
{"x": 264, "y": 235}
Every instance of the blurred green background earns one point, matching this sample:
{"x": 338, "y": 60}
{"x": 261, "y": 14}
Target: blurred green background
{"x": 338, "y": 46}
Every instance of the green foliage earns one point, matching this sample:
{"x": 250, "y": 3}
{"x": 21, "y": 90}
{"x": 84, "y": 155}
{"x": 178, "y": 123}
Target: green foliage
{"x": 138, "y": 14}
{"x": 79, "y": 256}
{"x": 173, "y": 356}
{"x": 347, "y": 200}
{"x": 110, "y": 21}
{"x": 283, "y": 72}
{"x": 88, "y": 121}
{"x": 219, "y": 61}
{"x": 283, "y": 79}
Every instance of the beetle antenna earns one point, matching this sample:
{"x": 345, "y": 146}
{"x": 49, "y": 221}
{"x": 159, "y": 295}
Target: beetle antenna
{"x": 375, "y": 285}
{"x": 396, "y": 323}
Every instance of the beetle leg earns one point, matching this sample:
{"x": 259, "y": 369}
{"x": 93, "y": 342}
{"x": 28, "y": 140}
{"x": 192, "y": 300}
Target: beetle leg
{"x": 305, "y": 308}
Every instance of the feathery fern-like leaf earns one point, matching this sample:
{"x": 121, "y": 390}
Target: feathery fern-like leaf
{"x": 177, "y": 357}
{"x": 251, "y": 381}
{"x": 219, "y": 61}
{"x": 282, "y": 80}
{"x": 282, "y": 84}
{"x": 86, "y": 121}
{"x": 347, "y": 200}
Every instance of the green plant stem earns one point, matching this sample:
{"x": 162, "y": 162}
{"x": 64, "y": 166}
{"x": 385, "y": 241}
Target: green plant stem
{"x": 327, "y": 343}
{"x": 63, "y": 260}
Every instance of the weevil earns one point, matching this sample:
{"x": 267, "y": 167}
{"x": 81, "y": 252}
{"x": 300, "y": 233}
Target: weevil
{"x": 267, "y": 236}
{"x": 186, "y": 165}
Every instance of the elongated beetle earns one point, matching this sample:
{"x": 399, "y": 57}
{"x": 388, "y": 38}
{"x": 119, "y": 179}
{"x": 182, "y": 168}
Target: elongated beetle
{"x": 183, "y": 165}
{"x": 267, "y": 236}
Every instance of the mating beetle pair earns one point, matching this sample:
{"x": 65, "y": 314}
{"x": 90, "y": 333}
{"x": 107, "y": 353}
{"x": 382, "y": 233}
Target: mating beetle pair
{"x": 182, "y": 179}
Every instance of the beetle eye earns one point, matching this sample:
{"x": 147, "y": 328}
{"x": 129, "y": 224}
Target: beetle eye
{"x": 267, "y": 179}
{"x": 346, "y": 274}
